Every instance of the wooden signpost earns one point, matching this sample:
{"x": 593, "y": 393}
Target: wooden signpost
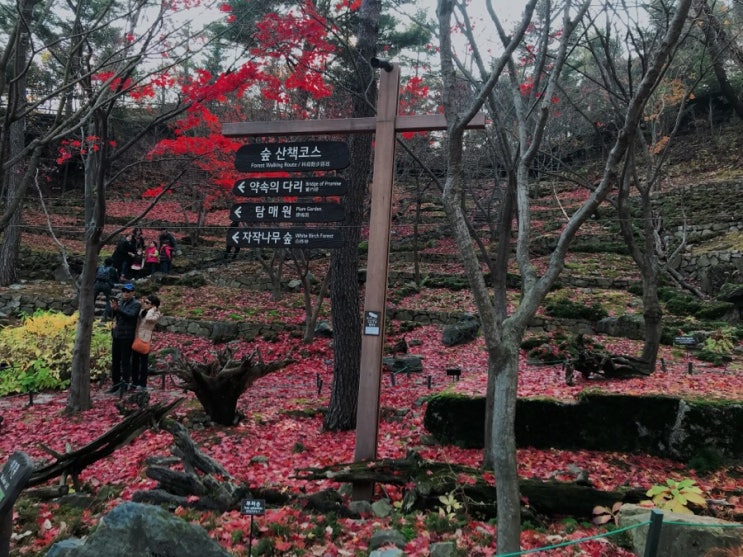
{"x": 385, "y": 125}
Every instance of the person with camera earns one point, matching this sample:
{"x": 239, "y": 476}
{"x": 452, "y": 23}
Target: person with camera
{"x": 126, "y": 314}
{"x": 148, "y": 317}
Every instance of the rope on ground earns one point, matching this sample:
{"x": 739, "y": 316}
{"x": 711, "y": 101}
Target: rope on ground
{"x": 578, "y": 541}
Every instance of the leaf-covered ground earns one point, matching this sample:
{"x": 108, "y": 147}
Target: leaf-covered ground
{"x": 283, "y": 432}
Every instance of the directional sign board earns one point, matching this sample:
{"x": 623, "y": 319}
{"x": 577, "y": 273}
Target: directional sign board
{"x": 303, "y": 156}
{"x": 299, "y": 187}
{"x": 285, "y": 237}
{"x": 287, "y": 212}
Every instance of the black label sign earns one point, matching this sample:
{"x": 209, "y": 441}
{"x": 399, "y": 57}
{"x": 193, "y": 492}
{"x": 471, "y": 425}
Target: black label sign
{"x": 256, "y": 187}
{"x": 285, "y": 237}
{"x": 287, "y": 212}
{"x": 372, "y": 323}
{"x": 304, "y": 156}
{"x": 13, "y": 479}
{"x": 686, "y": 341}
{"x": 253, "y": 507}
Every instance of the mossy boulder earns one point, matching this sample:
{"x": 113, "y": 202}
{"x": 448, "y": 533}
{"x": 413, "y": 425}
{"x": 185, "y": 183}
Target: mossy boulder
{"x": 657, "y": 425}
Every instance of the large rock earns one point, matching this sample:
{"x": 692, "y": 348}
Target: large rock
{"x": 663, "y": 426}
{"x": 461, "y": 332}
{"x": 136, "y": 529}
{"x": 680, "y": 534}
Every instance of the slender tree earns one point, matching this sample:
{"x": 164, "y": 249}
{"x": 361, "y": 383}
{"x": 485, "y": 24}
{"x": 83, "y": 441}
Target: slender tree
{"x": 503, "y": 331}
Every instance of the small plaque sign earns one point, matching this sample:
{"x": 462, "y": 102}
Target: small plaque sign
{"x": 372, "y": 325}
{"x": 303, "y": 156}
{"x": 685, "y": 340}
{"x": 13, "y": 479}
{"x": 253, "y": 507}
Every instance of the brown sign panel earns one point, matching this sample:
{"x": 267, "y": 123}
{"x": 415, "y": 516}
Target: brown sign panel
{"x": 285, "y": 237}
{"x": 287, "y": 212}
{"x": 300, "y": 156}
{"x": 290, "y": 187}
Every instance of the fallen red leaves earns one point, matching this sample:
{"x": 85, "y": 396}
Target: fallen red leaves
{"x": 266, "y": 448}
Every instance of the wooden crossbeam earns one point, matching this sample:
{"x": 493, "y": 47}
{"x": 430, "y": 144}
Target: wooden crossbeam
{"x": 415, "y": 123}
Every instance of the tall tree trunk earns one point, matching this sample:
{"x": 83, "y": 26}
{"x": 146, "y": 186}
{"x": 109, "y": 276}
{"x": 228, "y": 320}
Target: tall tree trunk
{"x": 344, "y": 262}
{"x": 78, "y": 398}
{"x": 16, "y": 176}
{"x": 504, "y": 368}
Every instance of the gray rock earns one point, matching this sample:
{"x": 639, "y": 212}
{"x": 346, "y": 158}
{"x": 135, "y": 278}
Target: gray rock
{"x": 381, "y": 508}
{"x": 138, "y": 529}
{"x": 387, "y": 553}
{"x": 443, "y": 549}
{"x": 386, "y": 537}
{"x": 461, "y": 332}
{"x": 360, "y": 507}
{"x": 680, "y": 534}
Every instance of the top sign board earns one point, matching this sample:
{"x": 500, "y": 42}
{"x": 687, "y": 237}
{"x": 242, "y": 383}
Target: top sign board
{"x": 302, "y": 156}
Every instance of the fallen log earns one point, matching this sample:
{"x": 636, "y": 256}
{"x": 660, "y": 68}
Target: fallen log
{"x": 471, "y": 487}
{"x": 73, "y": 462}
{"x": 203, "y": 483}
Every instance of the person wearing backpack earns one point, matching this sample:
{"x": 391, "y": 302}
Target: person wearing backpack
{"x": 166, "y": 258}
{"x": 105, "y": 278}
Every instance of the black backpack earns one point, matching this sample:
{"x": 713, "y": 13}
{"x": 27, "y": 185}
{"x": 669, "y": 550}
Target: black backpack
{"x": 102, "y": 274}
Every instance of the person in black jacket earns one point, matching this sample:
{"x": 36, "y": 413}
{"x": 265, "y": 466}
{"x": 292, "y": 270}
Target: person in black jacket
{"x": 124, "y": 255}
{"x": 126, "y": 313}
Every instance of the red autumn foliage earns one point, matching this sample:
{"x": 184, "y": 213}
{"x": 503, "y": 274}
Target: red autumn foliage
{"x": 283, "y": 431}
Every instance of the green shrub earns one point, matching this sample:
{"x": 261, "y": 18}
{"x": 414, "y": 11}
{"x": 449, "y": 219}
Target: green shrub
{"x": 40, "y": 352}
{"x": 679, "y": 303}
{"x": 568, "y": 309}
{"x": 714, "y": 310}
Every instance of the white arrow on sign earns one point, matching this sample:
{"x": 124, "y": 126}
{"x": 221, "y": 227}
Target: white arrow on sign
{"x": 236, "y": 237}
{"x": 241, "y": 186}
{"x": 238, "y": 211}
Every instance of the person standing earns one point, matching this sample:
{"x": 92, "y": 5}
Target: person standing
{"x": 124, "y": 255}
{"x": 148, "y": 316}
{"x": 167, "y": 238}
{"x": 230, "y": 247}
{"x": 125, "y": 314}
{"x": 152, "y": 257}
{"x": 105, "y": 277}
{"x": 166, "y": 258}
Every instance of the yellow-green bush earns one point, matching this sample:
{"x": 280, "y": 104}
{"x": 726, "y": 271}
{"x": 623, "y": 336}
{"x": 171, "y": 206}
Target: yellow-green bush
{"x": 38, "y": 353}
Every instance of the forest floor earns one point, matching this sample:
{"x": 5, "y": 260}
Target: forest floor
{"x": 282, "y": 429}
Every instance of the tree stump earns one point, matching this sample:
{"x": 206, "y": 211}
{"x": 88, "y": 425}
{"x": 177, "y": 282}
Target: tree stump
{"x": 218, "y": 384}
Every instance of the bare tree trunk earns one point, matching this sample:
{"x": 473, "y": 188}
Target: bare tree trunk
{"x": 16, "y": 177}
{"x": 344, "y": 262}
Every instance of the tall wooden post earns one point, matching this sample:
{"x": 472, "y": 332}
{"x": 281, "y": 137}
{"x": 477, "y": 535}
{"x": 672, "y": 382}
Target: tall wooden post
{"x": 372, "y": 341}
